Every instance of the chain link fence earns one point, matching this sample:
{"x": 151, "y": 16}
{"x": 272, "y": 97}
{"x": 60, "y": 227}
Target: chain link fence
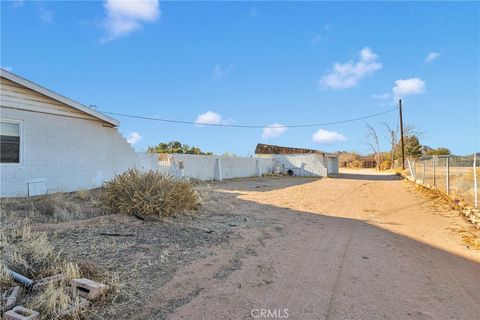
{"x": 456, "y": 176}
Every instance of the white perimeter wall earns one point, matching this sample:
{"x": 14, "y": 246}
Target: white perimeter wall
{"x": 205, "y": 167}
{"x": 68, "y": 154}
{"x": 301, "y": 164}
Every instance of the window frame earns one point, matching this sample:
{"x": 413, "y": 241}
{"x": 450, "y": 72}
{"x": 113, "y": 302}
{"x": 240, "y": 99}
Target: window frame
{"x": 21, "y": 137}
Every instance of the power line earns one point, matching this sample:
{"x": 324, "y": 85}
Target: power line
{"x": 249, "y": 126}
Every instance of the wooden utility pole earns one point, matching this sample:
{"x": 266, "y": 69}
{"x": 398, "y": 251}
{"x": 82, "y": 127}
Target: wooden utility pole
{"x": 401, "y": 133}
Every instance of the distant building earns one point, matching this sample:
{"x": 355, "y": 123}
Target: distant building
{"x": 299, "y": 161}
{"x": 50, "y": 143}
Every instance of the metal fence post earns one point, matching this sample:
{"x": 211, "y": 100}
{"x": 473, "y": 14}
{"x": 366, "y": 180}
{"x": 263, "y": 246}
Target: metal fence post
{"x": 448, "y": 175}
{"x": 433, "y": 165}
{"x": 475, "y": 180}
{"x": 423, "y": 173}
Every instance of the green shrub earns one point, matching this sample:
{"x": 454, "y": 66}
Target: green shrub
{"x": 149, "y": 194}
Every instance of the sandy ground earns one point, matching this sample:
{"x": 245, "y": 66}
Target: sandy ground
{"x": 360, "y": 246}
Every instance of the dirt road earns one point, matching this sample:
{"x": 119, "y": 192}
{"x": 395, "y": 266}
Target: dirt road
{"x": 361, "y": 246}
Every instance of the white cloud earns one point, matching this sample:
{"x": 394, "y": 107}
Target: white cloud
{"x": 348, "y": 74}
{"x": 219, "y": 71}
{"x": 382, "y": 96}
{"x": 432, "y": 56}
{"x": 327, "y": 137}
{"x": 273, "y": 131}
{"x": 209, "y": 117}
{"x": 126, "y": 16}
{"x": 134, "y": 137}
{"x": 408, "y": 87}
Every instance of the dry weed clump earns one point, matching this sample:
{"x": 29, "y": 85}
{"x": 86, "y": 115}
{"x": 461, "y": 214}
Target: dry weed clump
{"x": 57, "y": 207}
{"x": 57, "y": 301}
{"x": 31, "y": 254}
{"x": 24, "y": 251}
{"x": 149, "y": 194}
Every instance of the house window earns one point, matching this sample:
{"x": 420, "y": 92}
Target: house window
{"x": 9, "y": 142}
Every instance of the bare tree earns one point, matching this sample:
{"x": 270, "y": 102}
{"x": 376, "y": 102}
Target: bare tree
{"x": 374, "y": 144}
{"x": 392, "y": 136}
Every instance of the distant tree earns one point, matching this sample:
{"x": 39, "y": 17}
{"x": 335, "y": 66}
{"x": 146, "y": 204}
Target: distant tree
{"x": 176, "y": 147}
{"x": 438, "y": 152}
{"x": 413, "y": 147}
{"x": 229, "y": 154}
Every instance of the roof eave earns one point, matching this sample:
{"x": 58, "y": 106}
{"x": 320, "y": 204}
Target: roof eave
{"x": 49, "y": 93}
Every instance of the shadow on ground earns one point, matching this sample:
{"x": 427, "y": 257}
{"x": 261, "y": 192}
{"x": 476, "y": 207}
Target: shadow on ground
{"x": 338, "y": 267}
{"x": 372, "y": 177}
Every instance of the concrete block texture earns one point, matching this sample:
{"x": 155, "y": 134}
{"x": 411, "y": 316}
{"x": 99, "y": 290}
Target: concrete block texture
{"x": 12, "y": 298}
{"x": 89, "y": 289}
{"x": 306, "y": 165}
{"x": 211, "y": 167}
{"x": 66, "y": 154}
{"x": 21, "y": 313}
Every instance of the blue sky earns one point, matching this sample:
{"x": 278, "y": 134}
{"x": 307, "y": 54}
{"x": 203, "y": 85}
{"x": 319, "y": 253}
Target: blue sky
{"x": 257, "y": 63}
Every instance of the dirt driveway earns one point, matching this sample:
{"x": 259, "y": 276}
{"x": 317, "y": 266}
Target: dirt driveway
{"x": 361, "y": 246}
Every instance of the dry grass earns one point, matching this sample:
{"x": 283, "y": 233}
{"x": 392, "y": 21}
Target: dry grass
{"x": 31, "y": 254}
{"x": 149, "y": 194}
{"x": 471, "y": 240}
{"x": 57, "y": 301}
{"x": 436, "y": 196}
{"x": 24, "y": 251}
{"x": 58, "y": 207}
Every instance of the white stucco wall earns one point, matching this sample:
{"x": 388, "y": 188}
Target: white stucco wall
{"x": 205, "y": 167}
{"x": 69, "y": 154}
{"x": 301, "y": 164}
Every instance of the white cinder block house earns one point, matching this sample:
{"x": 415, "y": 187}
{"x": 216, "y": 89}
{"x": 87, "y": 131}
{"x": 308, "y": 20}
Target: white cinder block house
{"x": 299, "y": 161}
{"x": 50, "y": 143}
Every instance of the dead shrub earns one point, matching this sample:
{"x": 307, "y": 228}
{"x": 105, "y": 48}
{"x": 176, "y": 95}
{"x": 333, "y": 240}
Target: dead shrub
{"x": 57, "y": 301}
{"x": 354, "y": 164}
{"x": 149, "y": 194}
{"x": 57, "y": 206}
{"x": 83, "y": 194}
{"x": 385, "y": 165}
{"x": 24, "y": 251}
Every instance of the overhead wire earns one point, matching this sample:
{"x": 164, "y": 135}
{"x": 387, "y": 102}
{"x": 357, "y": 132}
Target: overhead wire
{"x": 248, "y": 126}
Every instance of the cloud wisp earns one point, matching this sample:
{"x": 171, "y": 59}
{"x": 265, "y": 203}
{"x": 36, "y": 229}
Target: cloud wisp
{"x": 348, "y": 75}
{"x": 382, "y": 96}
{"x": 126, "y": 16}
{"x": 45, "y": 15}
{"x": 273, "y": 131}
{"x": 220, "y": 71}
{"x": 134, "y": 137}
{"x": 323, "y": 136}
{"x": 432, "y": 56}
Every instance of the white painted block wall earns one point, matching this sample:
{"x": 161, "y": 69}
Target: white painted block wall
{"x": 301, "y": 164}
{"x": 204, "y": 167}
{"x": 69, "y": 154}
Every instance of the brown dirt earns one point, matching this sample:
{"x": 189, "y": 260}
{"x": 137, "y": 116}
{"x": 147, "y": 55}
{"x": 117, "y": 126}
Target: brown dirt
{"x": 361, "y": 246}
